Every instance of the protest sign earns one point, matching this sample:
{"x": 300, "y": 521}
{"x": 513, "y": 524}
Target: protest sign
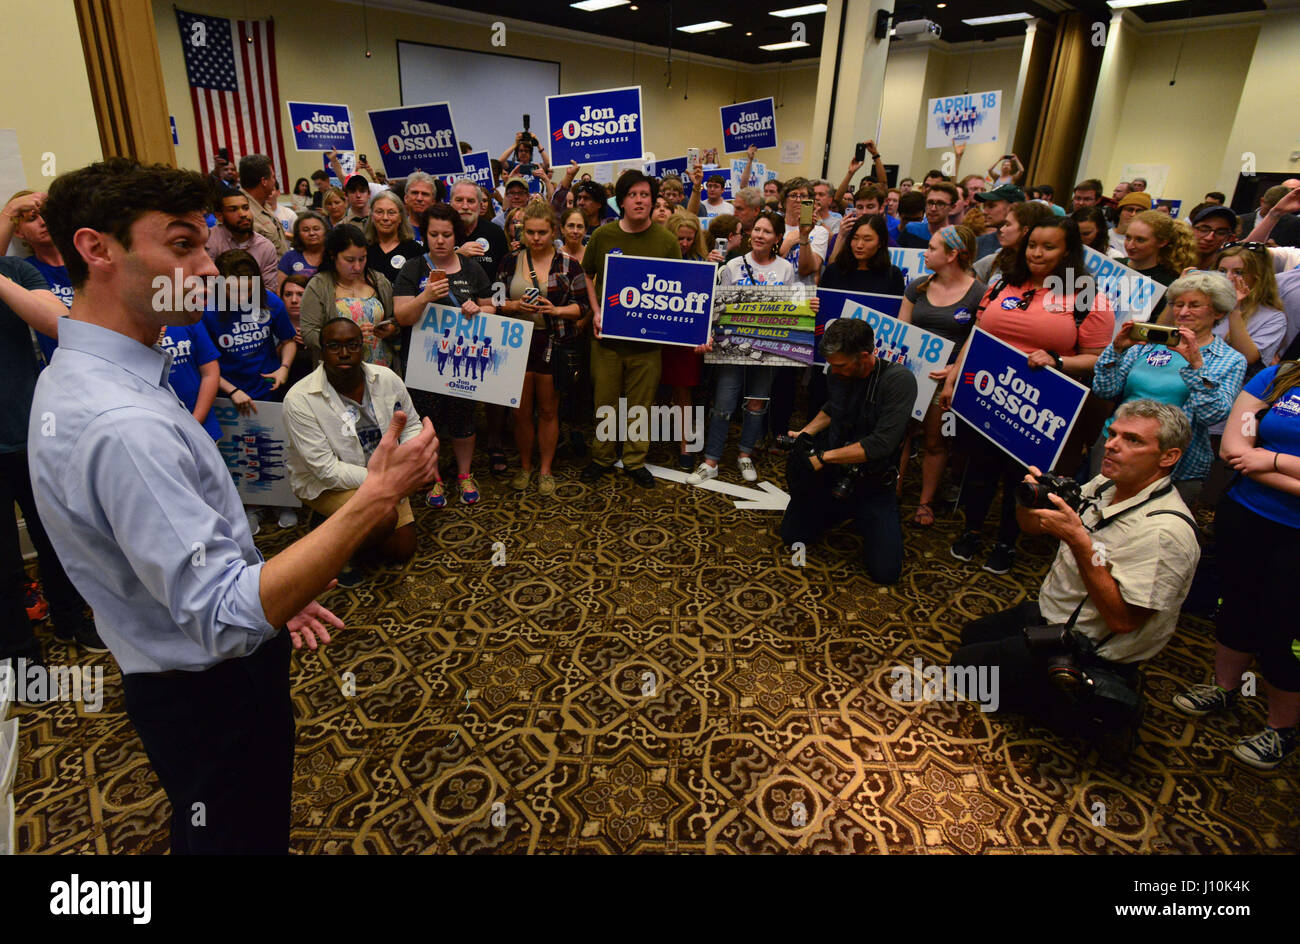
{"x": 255, "y": 448}
{"x": 320, "y": 127}
{"x": 963, "y": 119}
{"x": 748, "y": 124}
{"x": 668, "y": 301}
{"x": 595, "y": 127}
{"x": 483, "y": 358}
{"x": 417, "y": 137}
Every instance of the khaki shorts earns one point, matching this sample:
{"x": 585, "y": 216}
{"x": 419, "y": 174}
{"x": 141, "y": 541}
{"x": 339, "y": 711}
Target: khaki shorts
{"x": 326, "y": 503}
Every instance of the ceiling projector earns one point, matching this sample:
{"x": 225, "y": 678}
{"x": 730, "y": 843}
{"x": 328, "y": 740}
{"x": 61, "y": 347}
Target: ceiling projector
{"x": 916, "y": 28}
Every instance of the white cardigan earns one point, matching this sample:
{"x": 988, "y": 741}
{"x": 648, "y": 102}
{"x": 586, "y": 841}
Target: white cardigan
{"x": 324, "y": 452}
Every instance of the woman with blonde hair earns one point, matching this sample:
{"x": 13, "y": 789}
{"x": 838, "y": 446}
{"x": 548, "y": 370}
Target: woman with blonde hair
{"x": 1159, "y": 246}
{"x": 686, "y": 228}
{"x": 942, "y": 303}
{"x": 1257, "y": 326}
{"x": 334, "y": 205}
{"x": 682, "y": 366}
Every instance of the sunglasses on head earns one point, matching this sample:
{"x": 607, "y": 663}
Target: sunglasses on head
{"x": 1250, "y": 246}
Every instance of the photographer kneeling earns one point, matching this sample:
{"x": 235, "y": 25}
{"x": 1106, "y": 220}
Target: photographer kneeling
{"x": 1111, "y": 598}
{"x": 844, "y": 463}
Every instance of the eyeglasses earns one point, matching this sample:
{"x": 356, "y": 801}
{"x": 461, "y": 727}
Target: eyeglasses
{"x": 937, "y": 204}
{"x": 1203, "y": 230}
{"x": 334, "y": 347}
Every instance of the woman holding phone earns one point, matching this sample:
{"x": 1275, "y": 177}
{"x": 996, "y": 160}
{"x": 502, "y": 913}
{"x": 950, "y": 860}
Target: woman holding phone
{"x": 345, "y": 288}
{"x": 549, "y": 289}
{"x": 441, "y": 276}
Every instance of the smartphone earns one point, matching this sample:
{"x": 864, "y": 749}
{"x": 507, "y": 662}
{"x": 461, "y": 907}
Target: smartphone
{"x": 720, "y": 244}
{"x": 692, "y": 158}
{"x": 805, "y": 212}
{"x": 386, "y": 321}
{"x": 361, "y": 158}
{"x": 860, "y": 153}
{"x": 531, "y": 295}
{"x": 1155, "y": 334}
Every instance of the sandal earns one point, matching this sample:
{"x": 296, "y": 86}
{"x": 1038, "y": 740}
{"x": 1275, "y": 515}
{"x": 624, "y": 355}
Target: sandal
{"x": 497, "y": 463}
{"x": 924, "y": 516}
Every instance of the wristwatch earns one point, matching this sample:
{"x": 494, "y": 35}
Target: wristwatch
{"x": 1060, "y": 364}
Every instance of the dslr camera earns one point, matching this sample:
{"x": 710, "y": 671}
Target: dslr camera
{"x": 1076, "y": 671}
{"x": 528, "y": 137}
{"x": 1035, "y": 494}
{"x": 847, "y": 479}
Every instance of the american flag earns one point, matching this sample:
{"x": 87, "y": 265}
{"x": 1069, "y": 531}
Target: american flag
{"x": 233, "y": 88}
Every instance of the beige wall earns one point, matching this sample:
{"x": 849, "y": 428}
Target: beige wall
{"x": 1187, "y": 125}
{"x": 46, "y": 91}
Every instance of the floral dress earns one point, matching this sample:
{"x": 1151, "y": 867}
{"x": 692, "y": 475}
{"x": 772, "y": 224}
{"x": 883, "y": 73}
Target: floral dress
{"x": 367, "y": 311}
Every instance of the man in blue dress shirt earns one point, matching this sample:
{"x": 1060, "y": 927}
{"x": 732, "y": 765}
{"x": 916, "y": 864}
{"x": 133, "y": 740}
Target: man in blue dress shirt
{"x": 139, "y": 504}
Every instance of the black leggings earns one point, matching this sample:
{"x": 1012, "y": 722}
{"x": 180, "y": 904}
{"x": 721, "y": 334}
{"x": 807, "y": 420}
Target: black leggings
{"x": 1257, "y": 564}
{"x": 985, "y": 467}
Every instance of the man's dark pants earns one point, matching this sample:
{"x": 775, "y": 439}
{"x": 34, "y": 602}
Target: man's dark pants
{"x": 872, "y": 506}
{"x": 67, "y": 608}
{"x": 222, "y": 738}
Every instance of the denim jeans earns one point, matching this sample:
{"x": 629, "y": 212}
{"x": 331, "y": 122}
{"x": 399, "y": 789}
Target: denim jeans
{"x": 755, "y": 383}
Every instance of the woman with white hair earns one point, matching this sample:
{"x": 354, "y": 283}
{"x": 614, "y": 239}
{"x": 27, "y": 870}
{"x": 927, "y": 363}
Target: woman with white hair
{"x": 1196, "y": 371}
{"x": 389, "y": 236}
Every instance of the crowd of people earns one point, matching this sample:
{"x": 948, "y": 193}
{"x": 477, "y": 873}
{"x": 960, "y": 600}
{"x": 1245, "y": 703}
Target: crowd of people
{"x": 1208, "y": 416}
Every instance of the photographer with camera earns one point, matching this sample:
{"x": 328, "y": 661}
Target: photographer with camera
{"x": 1111, "y": 598}
{"x": 844, "y": 462}
{"x": 519, "y": 156}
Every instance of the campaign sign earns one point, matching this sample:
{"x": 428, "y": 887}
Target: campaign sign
{"x": 748, "y": 124}
{"x": 478, "y": 168}
{"x": 320, "y": 127}
{"x": 965, "y": 119}
{"x": 595, "y": 127}
{"x": 898, "y": 342}
{"x": 1028, "y": 414}
{"x": 835, "y": 303}
{"x": 255, "y": 448}
{"x": 911, "y": 262}
{"x": 764, "y": 325}
{"x": 1131, "y": 294}
{"x": 728, "y": 178}
{"x": 673, "y": 168}
{"x": 347, "y": 160}
{"x": 482, "y": 358}
{"x": 417, "y": 137}
{"x": 668, "y": 301}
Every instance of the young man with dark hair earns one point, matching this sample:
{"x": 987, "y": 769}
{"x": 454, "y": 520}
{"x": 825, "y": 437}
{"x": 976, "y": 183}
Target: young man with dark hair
{"x": 996, "y": 203}
{"x": 715, "y": 205}
{"x": 931, "y": 178}
{"x": 621, "y": 368}
{"x": 234, "y": 230}
{"x": 940, "y": 199}
{"x": 139, "y": 501}
{"x": 1215, "y": 196}
{"x": 257, "y": 181}
{"x": 1086, "y": 193}
{"x": 322, "y": 182}
{"x": 357, "y": 192}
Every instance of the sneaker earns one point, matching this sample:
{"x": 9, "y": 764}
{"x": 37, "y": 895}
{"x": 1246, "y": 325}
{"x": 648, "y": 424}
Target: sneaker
{"x": 288, "y": 518}
{"x": 468, "y": 490}
{"x": 437, "y": 496}
{"x": 642, "y": 477}
{"x": 966, "y": 546}
{"x": 1267, "y": 749}
{"x": 351, "y": 576}
{"x": 1204, "y": 700}
{"x": 747, "y": 470}
{"x": 83, "y": 634}
{"x": 521, "y": 480}
{"x": 593, "y": 471}
{"x": 37, "y": 608}
{"x": 546, "y": 485}
{"x": 254, "y": 520}
{"x": 1000, "y": 559}
{"x": 685, "y": 462}
{"x": 702, "y": 474}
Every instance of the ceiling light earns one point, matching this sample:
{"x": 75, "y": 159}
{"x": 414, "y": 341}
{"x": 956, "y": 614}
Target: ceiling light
{"x": 591, "y": 5}
{"x": 800, "y": 11}
{"x": 941, "y": 6}
{"x": 703, "y": 27}
{"x": 1124, "y": 4}
{"x": 634, "y": 8}
{"x": 793, "y": 44}
{"x": 1003, "y": 18}
{"x": 749, "y": 34}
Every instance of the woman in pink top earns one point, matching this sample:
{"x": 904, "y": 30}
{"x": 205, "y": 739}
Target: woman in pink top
{"x": 1046, "y": 306}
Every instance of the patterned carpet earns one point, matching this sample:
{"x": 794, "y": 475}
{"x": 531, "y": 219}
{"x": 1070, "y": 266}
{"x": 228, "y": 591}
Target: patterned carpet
{"x": 649, "y": 672}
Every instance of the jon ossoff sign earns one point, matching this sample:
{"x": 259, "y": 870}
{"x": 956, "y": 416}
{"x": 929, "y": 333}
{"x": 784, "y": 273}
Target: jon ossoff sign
{"x": 667, "y": 301}
{"x": 320, "y": 127}
{"x": 595, "y": 127}
{"x": 417, "y": 137}
{"x": 1028, "y": 414}
{"x": 748, "y": 123}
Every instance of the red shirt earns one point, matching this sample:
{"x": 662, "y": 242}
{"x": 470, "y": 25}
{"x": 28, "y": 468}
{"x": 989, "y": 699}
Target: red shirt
{"x": 1047, "y": 323}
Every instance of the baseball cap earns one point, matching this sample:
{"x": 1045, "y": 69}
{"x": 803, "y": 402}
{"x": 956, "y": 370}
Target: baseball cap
{"x": 516, "y": 182}
{"x": 1140, "y": 199}
{"x": 1009, "y": 192}
{"x": 1222, "y": 211}
{"x": 357, "y": 182}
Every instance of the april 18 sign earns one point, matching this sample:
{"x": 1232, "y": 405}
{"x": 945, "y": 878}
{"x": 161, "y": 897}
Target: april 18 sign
{"x": 667, "y": 301}
{"x": 595, "y": 127}
{"x": 967, "y": 119}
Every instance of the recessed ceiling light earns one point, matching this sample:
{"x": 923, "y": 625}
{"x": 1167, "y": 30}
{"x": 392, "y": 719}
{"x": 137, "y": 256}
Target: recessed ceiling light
{"x": 703, "y": 27}
{"x": 800, "y": 11}
{"x": 1125, "y": 4}
{"x": 941, "y": 6}
{"x": 773, "y": 47}
{"x": 1003, "y": 18}
{"x": 591, "y": 5}
{"x": 634, "y": 8}
{"x": 749, "y": 34}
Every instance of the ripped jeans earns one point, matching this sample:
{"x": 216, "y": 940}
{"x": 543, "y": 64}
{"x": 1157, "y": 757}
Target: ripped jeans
{"x": 733, "y": 381}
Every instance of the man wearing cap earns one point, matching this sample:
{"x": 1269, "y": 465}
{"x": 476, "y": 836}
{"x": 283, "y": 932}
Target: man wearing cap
{"x": 1212, "y": 226}
{"x": 1286, "y": 227}
{"x": 1130, "y": 205}
{"x": 516, "y": 197}
{"x": 357, "y": 192}
{"x": 996, "y": 203}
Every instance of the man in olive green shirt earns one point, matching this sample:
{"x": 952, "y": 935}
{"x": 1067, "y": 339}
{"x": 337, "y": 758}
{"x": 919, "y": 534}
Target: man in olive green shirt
{"x": 620, "y": 368}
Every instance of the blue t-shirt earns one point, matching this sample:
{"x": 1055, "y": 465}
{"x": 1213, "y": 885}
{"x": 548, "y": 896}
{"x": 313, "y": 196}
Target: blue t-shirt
{"x": 61, "y": 286}
{"x": 190, "y": 348}
{"x": 1280, "y": 432}
{"x": 246, "y": 343}
{"x": 295, "y": 263}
